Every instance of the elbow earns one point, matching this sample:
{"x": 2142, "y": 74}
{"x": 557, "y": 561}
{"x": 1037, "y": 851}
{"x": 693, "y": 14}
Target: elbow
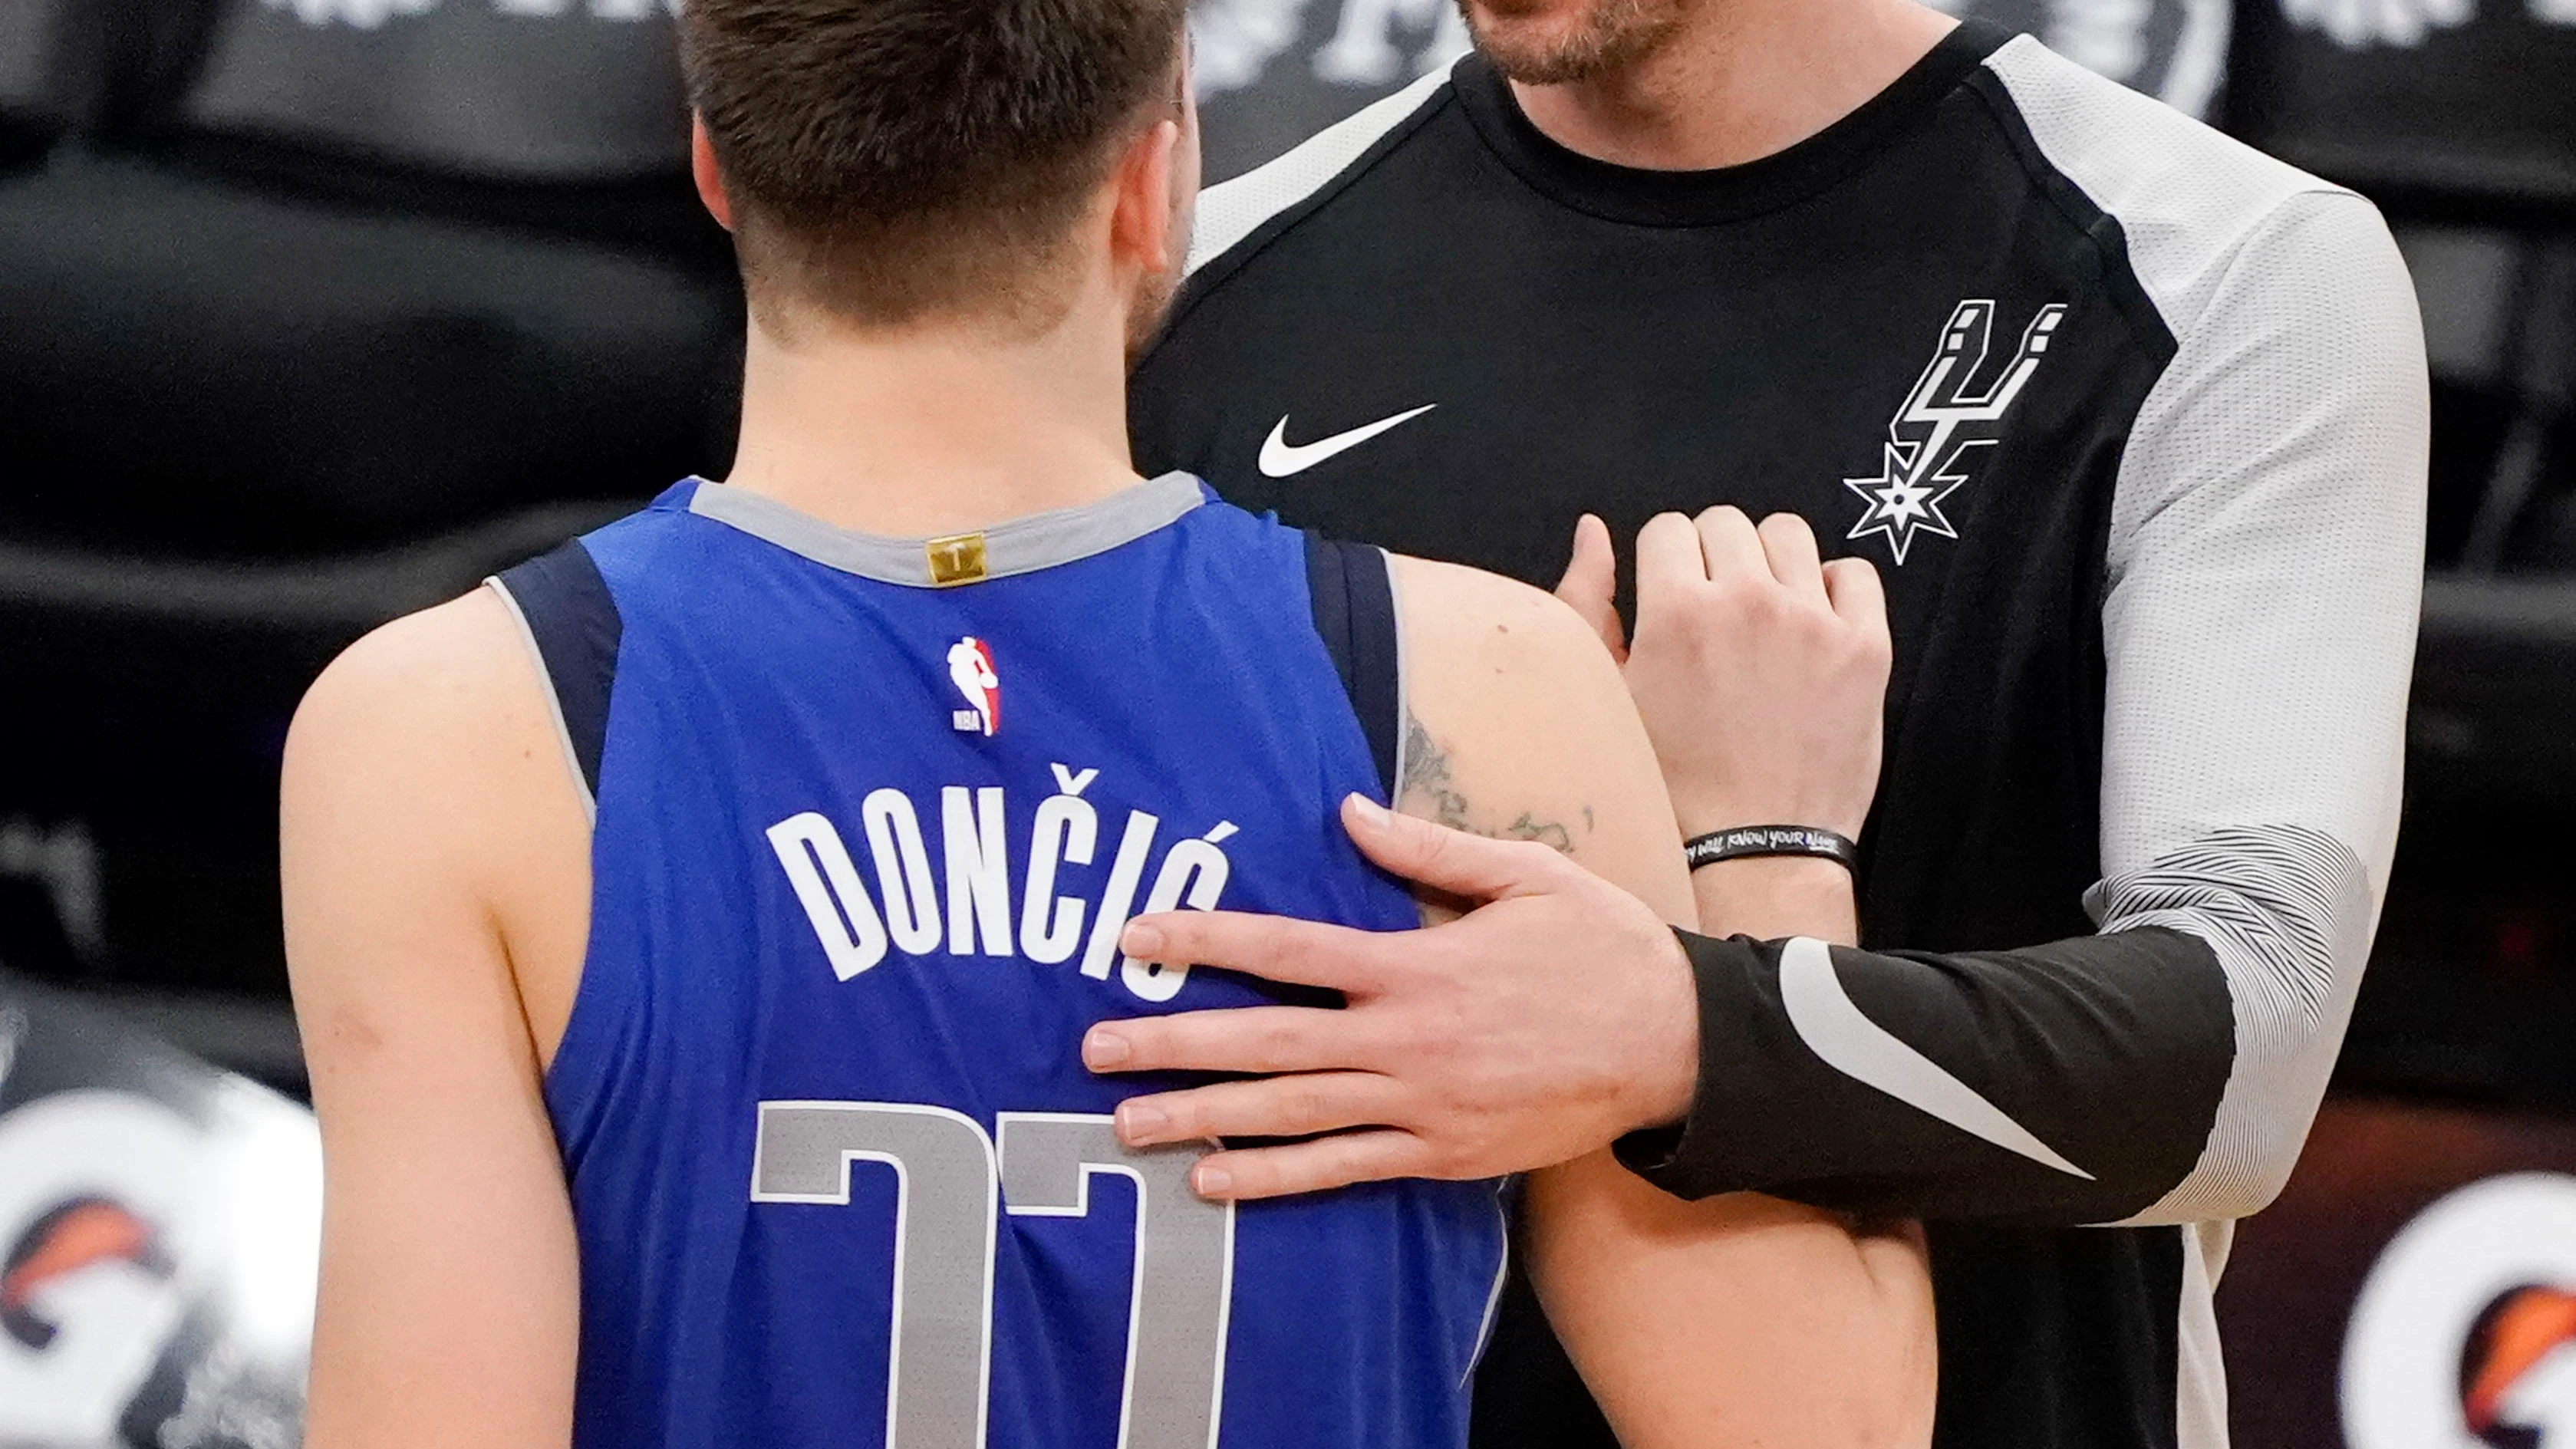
{"x": 2247, "y": 1163}
{"x": 2262, "y": 1128}
{"x": 2255, "y": 1189}
{"x": 2269, "y": 1167}
{"x": 2216, "y": 1192}
{"x": 2285, "y": 927}
{"x": 2274, "y": 1167}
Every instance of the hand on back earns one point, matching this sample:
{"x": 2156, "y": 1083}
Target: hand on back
{"x": 1760, "y": 670}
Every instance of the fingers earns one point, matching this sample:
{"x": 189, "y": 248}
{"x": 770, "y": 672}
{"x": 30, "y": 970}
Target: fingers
{"x": 1670, "y": 561}
{"x": 1292, "y": 1106}
{"x": 1443, "y": 859}
{"x": 1789, "y": 546}
{"x": 1732, "y": 546}
{"x": 1326, "y": 1162}
{"x": 1590, "y": 580}
{"x": 1274, "y": 948}
{"x": 1858, "y": 595}
{"x": 1243, "y": 1039}
{"x": 1724, "y": 546}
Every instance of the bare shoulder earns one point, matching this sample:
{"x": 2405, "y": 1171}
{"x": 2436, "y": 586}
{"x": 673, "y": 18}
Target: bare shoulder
{"x": 424, "y": 704}
{"x": 445, "y": 661}
{"x": 425, "y": 791}
{"x": 1508, "y": 625}
{"x": 1519, "y": 726}
{"x": 1492, "y": 658}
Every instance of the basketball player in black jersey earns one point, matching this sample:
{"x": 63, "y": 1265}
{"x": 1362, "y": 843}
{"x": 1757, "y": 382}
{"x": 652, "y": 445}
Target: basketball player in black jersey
{"x": 2133, "y": 421}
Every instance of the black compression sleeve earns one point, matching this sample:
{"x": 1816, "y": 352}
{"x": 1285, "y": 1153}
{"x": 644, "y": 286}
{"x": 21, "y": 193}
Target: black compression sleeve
{"x": 2070, "y": 1083}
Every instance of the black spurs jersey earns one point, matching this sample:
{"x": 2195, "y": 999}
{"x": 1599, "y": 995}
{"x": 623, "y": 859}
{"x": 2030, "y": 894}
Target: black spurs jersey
{"x": 2133, "y": 422}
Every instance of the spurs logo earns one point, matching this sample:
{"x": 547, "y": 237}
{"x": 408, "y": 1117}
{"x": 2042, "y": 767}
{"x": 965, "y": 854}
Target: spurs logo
{"x": 1944, "y": 418}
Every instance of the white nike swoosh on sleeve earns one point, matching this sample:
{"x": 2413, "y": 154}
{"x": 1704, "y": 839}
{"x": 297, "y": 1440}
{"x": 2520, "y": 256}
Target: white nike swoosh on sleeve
{"x": 1280, "y": 458}
{"x": 1835, "y": 1030}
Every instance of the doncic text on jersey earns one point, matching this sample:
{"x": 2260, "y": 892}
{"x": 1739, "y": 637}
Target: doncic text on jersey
{"x": 976, "y": 880}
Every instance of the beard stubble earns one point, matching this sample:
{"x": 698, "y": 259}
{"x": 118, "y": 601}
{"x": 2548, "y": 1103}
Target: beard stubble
{"x": 1608, "y": 36}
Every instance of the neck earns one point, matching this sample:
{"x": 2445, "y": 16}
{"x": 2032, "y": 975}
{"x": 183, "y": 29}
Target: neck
{"x": 932, "y": 429}
{"x": 1736, "y": 81}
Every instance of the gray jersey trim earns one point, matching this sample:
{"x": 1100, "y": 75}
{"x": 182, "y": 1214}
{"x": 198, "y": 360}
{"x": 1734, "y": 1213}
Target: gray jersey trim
{"x": 1493, "y": 1295}
{"x": 1021, "y": 546}
{"x": 1403, "y": 695}
{"x": 554, "y": 705}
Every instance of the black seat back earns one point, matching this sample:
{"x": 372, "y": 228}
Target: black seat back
{"x": 519, "y": 91}
{"x": 40, "y": 89}
{"x": 2428, "y": 112}
{"x": 2174, "y": 50}
{"x": 26, "y": 44}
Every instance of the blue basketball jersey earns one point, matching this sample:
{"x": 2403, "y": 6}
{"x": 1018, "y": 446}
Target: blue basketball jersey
{"x": 863, "y": 847}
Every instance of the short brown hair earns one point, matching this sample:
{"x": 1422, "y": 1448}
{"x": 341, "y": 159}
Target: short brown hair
{"x": 895, "y": 159}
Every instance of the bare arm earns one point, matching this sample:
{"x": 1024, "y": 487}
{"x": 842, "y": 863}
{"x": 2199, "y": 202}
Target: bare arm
{"x": 1737, "y": 1320}
{"x": 428, "y": 832}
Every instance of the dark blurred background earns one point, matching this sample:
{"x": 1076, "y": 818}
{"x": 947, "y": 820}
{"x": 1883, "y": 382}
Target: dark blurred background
{"x": 314, "y": 312}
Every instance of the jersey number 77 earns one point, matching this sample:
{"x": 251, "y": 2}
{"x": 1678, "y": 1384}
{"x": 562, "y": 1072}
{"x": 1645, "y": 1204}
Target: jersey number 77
{"x": 949, "y": 1175}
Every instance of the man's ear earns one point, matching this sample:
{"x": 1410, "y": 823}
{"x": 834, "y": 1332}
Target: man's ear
{"x": 1143, "y": 226}
{"x": 702, "y": 166}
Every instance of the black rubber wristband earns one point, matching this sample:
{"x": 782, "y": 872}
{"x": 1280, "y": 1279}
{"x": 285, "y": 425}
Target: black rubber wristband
{"x": 1747, "y": 841}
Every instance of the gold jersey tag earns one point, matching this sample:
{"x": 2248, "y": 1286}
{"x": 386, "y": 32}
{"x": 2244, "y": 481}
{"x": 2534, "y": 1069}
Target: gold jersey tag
{"x": 958, "y": 559}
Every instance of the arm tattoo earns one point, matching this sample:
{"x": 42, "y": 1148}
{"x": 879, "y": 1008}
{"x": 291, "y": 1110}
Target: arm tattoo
{"x": 1426, "y": 772}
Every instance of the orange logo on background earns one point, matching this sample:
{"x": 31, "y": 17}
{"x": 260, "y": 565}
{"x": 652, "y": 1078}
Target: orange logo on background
{"x": 76, "y": 1236}
{"x": 2516, "y": 1333}
{"x": 2464, "y": 1333}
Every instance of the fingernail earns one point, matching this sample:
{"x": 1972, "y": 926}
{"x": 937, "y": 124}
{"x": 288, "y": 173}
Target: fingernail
{"x": 1102, "y": 1050}
{"x": 1141, "y": 941}
{"x": 1138, "y": 1123}
{"x": 1369, "y": 811}
{"x": 1212, "y": 1181}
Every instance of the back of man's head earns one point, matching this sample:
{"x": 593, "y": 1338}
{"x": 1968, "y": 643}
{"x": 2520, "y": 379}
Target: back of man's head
{"x": 890, "y": 161}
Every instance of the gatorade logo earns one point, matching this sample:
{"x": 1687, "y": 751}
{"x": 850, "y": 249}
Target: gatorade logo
{"x": 63, "y": 1243}
{"x": 2518, "y": 1378}
{"x": 2465, "y": 1333}
{"x": 92, "y": 1185}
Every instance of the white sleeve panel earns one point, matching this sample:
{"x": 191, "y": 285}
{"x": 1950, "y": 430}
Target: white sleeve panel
{"x": 1236, "y": 209}
{"x": 2265, "y": 575}
{"x": 2266, "y": 567}
{"x": 2267, "y": 552}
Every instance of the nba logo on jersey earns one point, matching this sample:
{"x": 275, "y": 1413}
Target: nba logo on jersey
{"x": 970, "y": 664}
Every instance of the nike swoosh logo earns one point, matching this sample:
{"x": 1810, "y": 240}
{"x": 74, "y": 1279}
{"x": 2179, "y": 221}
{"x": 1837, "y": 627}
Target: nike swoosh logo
{"x": 1859, "y": 1048}
{"x": 1282, "y": 459}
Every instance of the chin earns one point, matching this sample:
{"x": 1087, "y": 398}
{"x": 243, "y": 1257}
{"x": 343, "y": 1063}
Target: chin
{"x": 1551, "y": 42}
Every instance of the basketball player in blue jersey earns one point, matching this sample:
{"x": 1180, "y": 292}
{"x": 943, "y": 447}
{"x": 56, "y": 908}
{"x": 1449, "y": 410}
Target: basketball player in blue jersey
{"x": 694, "y": 932}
